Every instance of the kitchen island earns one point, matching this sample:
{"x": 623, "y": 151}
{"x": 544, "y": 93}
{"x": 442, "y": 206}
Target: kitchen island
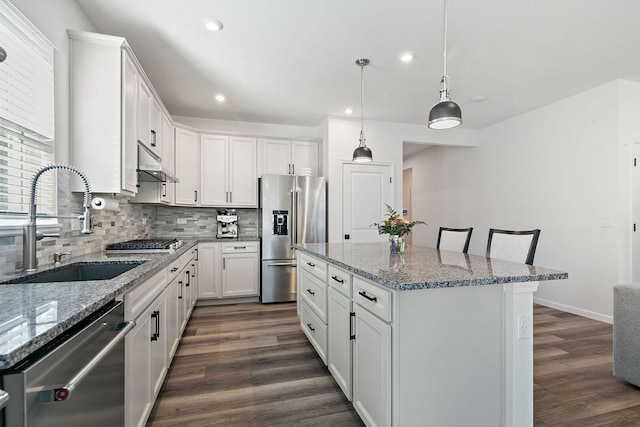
{"x": 426, "y": 338}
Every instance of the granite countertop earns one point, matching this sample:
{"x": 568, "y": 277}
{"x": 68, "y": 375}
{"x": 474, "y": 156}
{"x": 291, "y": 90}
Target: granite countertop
{"x": 227, "y": 239}
{"x": 32, "y": 314}
{"x": 425, "y": 268}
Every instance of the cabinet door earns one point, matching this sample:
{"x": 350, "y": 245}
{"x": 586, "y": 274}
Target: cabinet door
{"x": 239, "y": 275}
{"x": 155, "y": 126}
{"x": 276, "y": 157}
{"x": 172, "y": 320}
{"x": 182, "y": 304}
{"x": 339, "y": 347}
{"x": 167, "y": 189}
{"x": 157, "y": 344}
{"x": 129, "y": 160}
{"x": 144, "y": 103}
{"x": 214, "y": 165}
{"x": 372, "y": 369}
{"x": 304, "y": 155}
{"x": 137, "y": 379}
{"x": 187, "y": 149}
{"x": 209, "y": 285}
{"x": 243, "y": 179}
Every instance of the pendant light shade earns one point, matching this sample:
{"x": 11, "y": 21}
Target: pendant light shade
{"x": 362, "y": 154}
{"x": 446, "y": 114}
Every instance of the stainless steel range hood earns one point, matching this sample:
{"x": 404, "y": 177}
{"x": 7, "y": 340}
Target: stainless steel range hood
{"x": 150, "y": 167}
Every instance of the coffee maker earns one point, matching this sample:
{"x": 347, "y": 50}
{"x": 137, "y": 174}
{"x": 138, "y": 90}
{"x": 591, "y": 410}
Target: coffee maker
{"x": 227, "y": 224}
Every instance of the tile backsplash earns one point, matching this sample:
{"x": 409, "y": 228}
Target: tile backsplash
{"x": 131, "y": 221}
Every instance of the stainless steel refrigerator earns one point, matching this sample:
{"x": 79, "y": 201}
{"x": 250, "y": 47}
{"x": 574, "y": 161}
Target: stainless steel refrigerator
{"x": 292, "y": 209}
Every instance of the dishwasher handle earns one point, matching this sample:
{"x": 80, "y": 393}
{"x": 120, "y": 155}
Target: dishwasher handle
{"x": 4, "y": 398}
{"x": 64, "y": 392}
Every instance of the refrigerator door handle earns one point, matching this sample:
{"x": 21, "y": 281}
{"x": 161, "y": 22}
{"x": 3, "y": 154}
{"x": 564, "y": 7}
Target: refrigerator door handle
{"x": 282, "y": 264}
{"x": 294, "y": 217}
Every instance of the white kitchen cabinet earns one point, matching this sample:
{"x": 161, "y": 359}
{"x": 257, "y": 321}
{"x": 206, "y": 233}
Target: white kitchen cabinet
{"x": 187, "y": 167}
{"x": 210, "y": 281}
{"x": 282, "y": 157}
{"x": 149, "y": 120}
{"x": 172, "y": 324}
{"x": 214, "y": 164}
{"x": 239, "y": 273}
{"x": 138, "y": 375}
{"x": 167, "y": 189}
{"x": 158, "y": 344}
{"x": 340, "y": 342}
{"x": 103, "y": 90}
{"x": 228, "y": 171}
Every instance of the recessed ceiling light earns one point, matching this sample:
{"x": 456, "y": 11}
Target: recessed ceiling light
{"x": 348, "y": 111}
{"x": 220, "y": 98}
{"x": 479, "y": 98}
{"x": 214, "y": 25}
{"x": 407, "y": 56}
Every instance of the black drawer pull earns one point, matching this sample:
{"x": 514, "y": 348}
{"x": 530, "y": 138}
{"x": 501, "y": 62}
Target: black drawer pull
{"x": 337, "y": 279}
{"x": 312, "y": 329}
{"x": 310, "y": 264}
{"x": 174, "y": 269}
{"x": 239, "y": 247}
{"x": 364, "y": 294}
{"x": 311, "y": 292}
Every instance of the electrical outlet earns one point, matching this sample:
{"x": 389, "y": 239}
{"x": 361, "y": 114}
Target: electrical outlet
{"x": 524, "y": 327}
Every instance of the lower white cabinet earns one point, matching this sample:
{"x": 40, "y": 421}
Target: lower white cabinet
{"x": 228, "y": 270}
{"x": 160, "y": 307}
{"x": 372, "y": 368}
{"x": 340, "y": 341}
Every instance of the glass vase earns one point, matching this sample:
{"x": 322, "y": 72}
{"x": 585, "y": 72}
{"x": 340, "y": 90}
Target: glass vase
{"x": 396, "y": 244}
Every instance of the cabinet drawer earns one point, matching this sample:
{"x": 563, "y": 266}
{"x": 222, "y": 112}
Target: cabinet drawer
{"x": 340, "y": 280}
{"x": 142, "y": 295}
{"x": 315, "y": 330}
{"x": 313, "y": 265}
{"x": 373, "y": 298}
{"x": 172, "y": 269}
{"x": 238, "y": 247}
{"x": 186, "y": 258}
{"x": 314, "y": 292}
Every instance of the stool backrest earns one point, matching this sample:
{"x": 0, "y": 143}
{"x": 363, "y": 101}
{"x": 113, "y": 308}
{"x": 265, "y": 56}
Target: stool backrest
{"x": 454, "y": 239}
{"x": 512, "y": 245}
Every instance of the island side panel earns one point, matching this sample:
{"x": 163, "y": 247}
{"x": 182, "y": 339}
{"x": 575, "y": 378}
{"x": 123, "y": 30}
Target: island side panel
{"x": 448, "y": 357}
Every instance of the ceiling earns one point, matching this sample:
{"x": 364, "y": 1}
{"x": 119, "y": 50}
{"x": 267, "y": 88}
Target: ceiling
{"x": 293, "y": 61}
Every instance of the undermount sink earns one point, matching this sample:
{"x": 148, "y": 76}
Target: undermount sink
{"x": 81, "y": 271}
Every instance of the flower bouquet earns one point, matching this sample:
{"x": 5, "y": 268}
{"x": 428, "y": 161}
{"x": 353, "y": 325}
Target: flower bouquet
{"x": 396, "y": 227}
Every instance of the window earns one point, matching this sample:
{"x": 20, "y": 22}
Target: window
{"x": 26, "y": 115}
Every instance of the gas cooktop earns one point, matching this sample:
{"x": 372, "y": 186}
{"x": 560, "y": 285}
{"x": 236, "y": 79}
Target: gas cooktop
{"x": 144, "y": 245}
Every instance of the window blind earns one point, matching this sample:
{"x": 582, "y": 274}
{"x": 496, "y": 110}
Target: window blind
{"x": 26, "y": 113}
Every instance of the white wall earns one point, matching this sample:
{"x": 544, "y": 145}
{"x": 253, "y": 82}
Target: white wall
{"x": 559, "y": 168}
{"x": 385, "y": 140}
{"x": 53, "y": 18}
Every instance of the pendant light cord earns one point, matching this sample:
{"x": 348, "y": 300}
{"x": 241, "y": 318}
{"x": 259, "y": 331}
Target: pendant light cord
{"x": 361, "y": 104}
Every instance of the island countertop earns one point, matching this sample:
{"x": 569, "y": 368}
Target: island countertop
{"x": 425, "y": 268}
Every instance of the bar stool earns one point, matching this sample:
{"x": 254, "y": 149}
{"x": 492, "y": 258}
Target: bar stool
{"x": 511, "y": 245}
{"x": 454, "y": 239}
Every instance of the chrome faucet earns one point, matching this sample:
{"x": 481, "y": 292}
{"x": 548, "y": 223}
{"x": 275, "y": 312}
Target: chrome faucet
{"x": 29, "y": 233}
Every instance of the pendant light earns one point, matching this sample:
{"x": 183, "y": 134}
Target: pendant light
{"x": 445, "y": 114}
{"x": 362, "y": 154}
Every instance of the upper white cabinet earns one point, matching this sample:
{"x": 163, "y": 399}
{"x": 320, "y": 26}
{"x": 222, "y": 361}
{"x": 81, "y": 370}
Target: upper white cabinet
{"x": 167, "y": 189}
{"x": 281, "y": 157}
{"x": 187, "y": 150}
{"x": 228, "y": 171}
{"x": 149, "y": 125}
{"x": 103, "y": 91}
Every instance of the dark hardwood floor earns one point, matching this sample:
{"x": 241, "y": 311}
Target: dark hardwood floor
{"x": 251, "y": 365}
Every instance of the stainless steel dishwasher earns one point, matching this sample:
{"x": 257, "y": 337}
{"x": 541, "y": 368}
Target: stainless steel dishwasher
{"x": 78, "y": 380}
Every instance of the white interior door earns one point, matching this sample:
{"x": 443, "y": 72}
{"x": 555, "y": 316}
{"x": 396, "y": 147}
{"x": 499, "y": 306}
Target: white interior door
{"x": 365, "y": 191}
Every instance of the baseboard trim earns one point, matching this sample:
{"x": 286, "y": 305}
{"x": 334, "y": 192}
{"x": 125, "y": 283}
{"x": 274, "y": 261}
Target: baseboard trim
{"x": 226, "y": 301}
{"x": 574, "y": 310}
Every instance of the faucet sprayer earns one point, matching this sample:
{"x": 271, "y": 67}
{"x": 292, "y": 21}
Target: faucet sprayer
{"x": 29, "y": 233}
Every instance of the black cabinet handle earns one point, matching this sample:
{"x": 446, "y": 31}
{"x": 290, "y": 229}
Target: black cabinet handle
{"x": 195, "y": 192}
{"x": 352, "y": 316}
{"x": 312, "y": 329}
{"x": 174, "y": 269}
{"x": 311, "y": 292}
{"x": 153, "y": 138}
{"x": 164, "y": 189}
{"x": 180, "y": 294}
{"x": 337, "y": 279}
{"x": 194, "y": 270}
{"x": 364, "y": 294}
{"x": 188, "y": 278}
{"x": 310, "y": 264}
{"x": 156, "y": 316}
